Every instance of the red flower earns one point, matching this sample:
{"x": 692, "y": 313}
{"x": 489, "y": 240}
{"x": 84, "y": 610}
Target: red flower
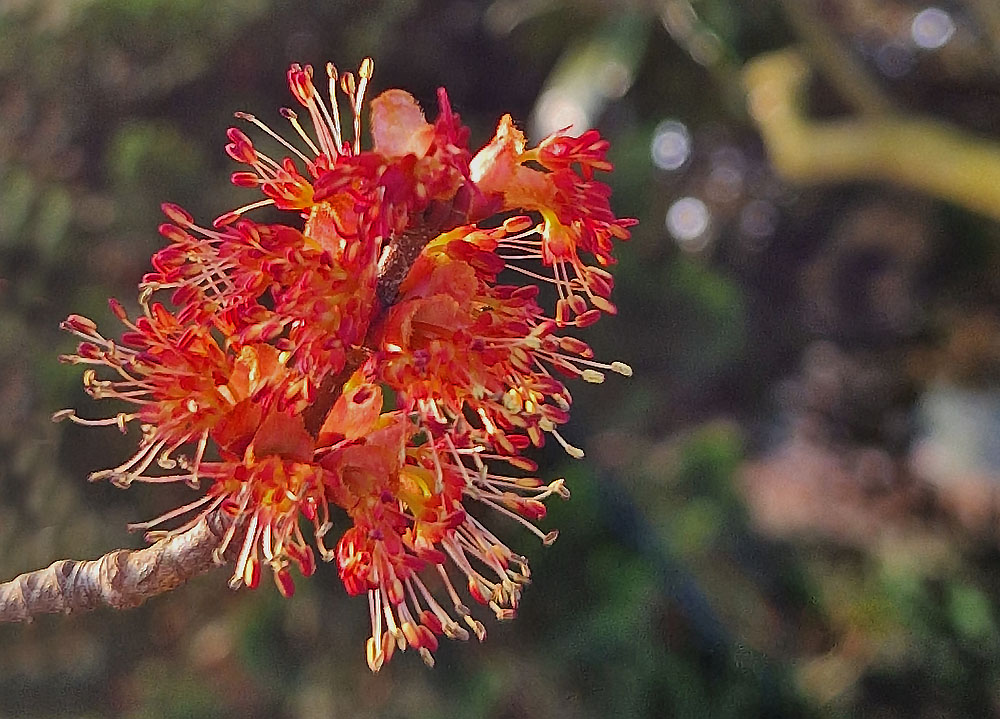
{"x": 270, "y": 377}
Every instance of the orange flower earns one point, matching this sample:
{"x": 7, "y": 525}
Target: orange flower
{"x": 365, "y": 369}
{"x": 575, "y": 211}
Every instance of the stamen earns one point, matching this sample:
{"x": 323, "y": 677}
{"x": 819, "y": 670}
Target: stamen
{"x": 155, "y": 536}
{"x": 244, "y": 556}
{"x": 508, "y": 513}
{"x": 219, "y": 553}
{"x": 172, "y": 513}
{"x": 331, "y": 73}
{"x": 229, "y": 217}
{"x": 574, "y": 452}
{"x": 324, "y": 126}
{"x": 123, "y": 474}
{"x": 285, "y": 143}
{"x": 118, "y": 420}
{"x": 293, "y": 120}
{"x": 364, "y": 73}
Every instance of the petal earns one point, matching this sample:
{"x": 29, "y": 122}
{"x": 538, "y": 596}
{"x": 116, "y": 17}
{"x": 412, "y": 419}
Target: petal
{"x": 354, "y": 413}
{"x": 284, "y": 436}
{"x": 398, "y": 125}
{"x": 493, "y": 166}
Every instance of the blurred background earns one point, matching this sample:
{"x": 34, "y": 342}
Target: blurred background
{"x": 789, "y": 511}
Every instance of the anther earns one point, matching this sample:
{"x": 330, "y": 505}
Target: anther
{"x": 118, "y": 479}
{"x": 559, "y": 487}
{"x": 366, "y": 69}
{"x": 592, "y": 376}
{"x": 165, "y": 461}
{"x": 621, "y": 368}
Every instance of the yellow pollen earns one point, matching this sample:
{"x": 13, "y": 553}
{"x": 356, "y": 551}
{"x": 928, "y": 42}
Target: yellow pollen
{"x": 192, "y": 406}
{"x": 592, "y": 376}
{"x": 621, "y": 368}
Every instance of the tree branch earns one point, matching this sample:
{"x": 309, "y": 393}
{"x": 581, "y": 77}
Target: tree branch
{"x": 923, "y": 154}
{"x": 840, "y": 66}
{"x": 121, "y": 579}
{"x": 126, "y": 578}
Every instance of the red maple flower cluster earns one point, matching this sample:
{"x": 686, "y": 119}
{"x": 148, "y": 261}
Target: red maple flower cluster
{"x": 371, "y": 360}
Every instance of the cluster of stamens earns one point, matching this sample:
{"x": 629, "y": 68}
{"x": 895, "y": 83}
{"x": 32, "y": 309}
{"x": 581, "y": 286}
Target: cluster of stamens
{"x": 369, "y": 360}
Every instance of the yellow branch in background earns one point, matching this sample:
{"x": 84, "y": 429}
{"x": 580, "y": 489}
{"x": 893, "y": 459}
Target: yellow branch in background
{"x": 923, "y": 154}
